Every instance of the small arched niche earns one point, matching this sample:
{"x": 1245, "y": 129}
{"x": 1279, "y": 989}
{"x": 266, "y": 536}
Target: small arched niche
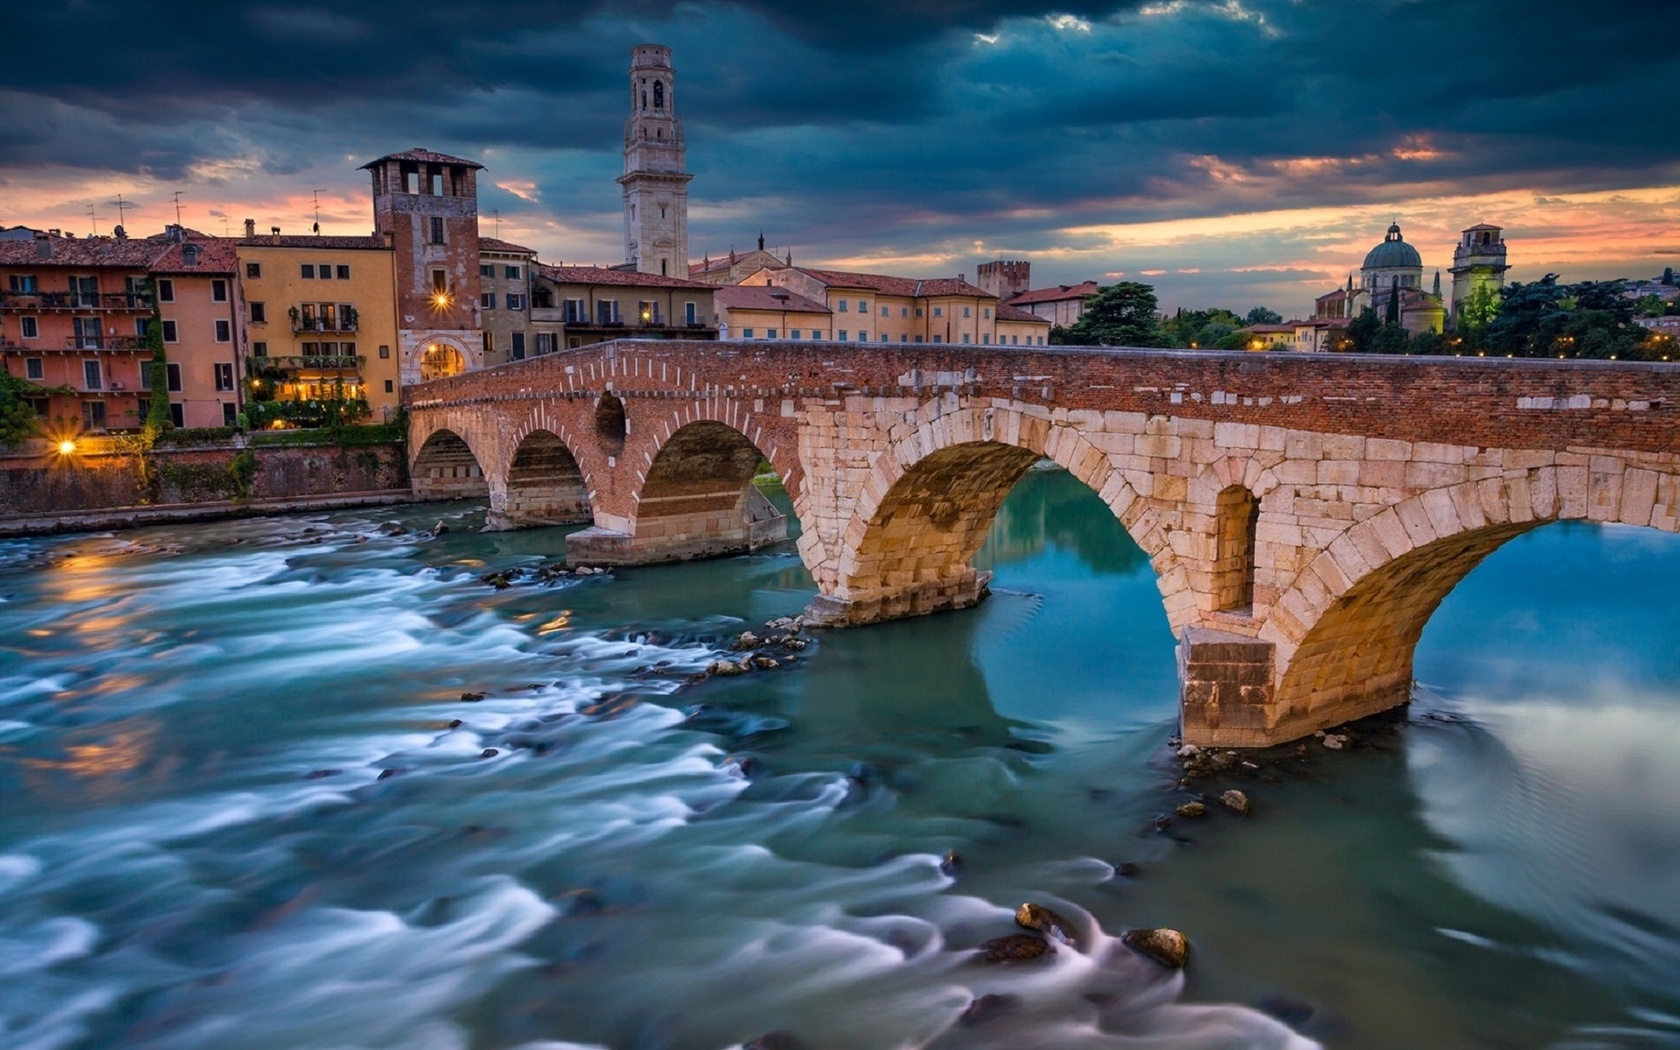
{"x": 1238, "y": 515}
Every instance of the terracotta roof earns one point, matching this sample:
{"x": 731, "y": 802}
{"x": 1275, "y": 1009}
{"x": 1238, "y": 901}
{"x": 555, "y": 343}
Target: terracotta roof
{"x": 629, "y": 278}
{"x": 1269, "y": 329}
{"x": 724, "y": 262}
{"x": 496, "y": 244}
{"x": 1482, "y": 226}
{"x": 1005, "y": 312}
{"x": 762, "y": 297}
{"x": 909, "y": 287}
{"x": 1060, "y": 293}
{"x": 310, "y": 240}
{"x": 215, "y": 255}
{"x": 1340, "y": 293}
{"x": 79, "y": 252}
{"x": 424, "y": 156}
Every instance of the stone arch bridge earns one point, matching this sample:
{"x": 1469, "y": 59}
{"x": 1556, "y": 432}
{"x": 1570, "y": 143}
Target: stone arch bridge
{"x": 1305, "y": 514}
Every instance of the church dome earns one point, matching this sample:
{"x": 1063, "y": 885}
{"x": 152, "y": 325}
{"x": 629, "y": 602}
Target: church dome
{"x": 1393, "y": 253}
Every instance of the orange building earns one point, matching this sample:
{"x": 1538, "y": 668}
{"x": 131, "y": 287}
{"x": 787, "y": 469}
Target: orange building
{"x": 200, "y": 304}
{"x": 73, "y": 317}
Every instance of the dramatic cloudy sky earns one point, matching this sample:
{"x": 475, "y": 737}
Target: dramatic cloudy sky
{"x": 1232, "y": 152}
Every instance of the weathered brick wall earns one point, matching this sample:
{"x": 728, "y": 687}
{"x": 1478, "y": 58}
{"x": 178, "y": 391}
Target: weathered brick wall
{"x": 50, "y": 484}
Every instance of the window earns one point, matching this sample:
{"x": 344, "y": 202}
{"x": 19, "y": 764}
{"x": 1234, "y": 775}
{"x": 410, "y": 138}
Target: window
{"x": 939, "y": 311}
{"x": 87, "y": 333}
{"x": 840, "y": 335}
{"x": 487, "y": 300}
{"x": 259, "y": 349}
{"x": 546, "y": 343}
{"x": 691, "y": 314}
{"x": 230, "y": 414}
{"x": 965, "y": 311}
{"x": 84, "y": 291}
{"x": 904, "y": 311}
{"x": 489, "y": 342}
{"x": 939, "y": 339}
{"x": 307, "y": 271}
{"x": 24, "y": 283}
{"x": 440, "y": 282}
{"x": 816, "y": 333}
{"x": 90, "y": 375}
{"x": 486, "y": 269}
{"x": 31, "y": 327}
{"x": 34, "y": 368}
{"x": 437, "y": 229}
{"x": 918, "y": 339}
{"x": 647, "y": 311}
{"x": 325, "y": 272}
{"x": 519, "y": 346}
{"x": 224, "y": 377}
{"x": 93, "y": 415}
{"x": 863, "y": 307}
{"x": 793, "y": 333}
{"x": 142, "y": 325}
{"x": 918, "y": 311}
{"x": 218, "y": 291}
{"x": 575, "y": 313}
{"x": 344, "y": 273}
{"x": 174, "y": 371}
{"x": 965, "y": 337}
{"x": 903, "y": 338}
{"x": 347, "y": 349}
{"x": 843, "y": 306}
{"x": 253, "y": 271}
{"x": 986, "y": 313}
{"x": 176, "y": 415}
{"x": 169, "y": 332}
{"x": 166, "y": 290}
{"x": 863, "y": 337}
{"x": 388, "y": 387}
{"x": 384, "y": 353}
{"x": 516, "y": 300}
{"x": 884, "y": 311}
{"x": 259, "y": 313}
{"x": 986, "y": 339}
{"x": 512, "y": 273}
{"x": 224, "y": 331}
{"x": 746, "y": 333}
{"x": 38, "y": 405}
{"x": 606, "y": 311}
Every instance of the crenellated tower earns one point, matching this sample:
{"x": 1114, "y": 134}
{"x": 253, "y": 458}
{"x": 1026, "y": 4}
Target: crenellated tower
{"x": 1478, "y": 261}
{"x": 654, "y": 180}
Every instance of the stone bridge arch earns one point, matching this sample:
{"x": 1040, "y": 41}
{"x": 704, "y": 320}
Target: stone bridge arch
{"x": 1346, "y": 631}
{"x": 929, "y": 499}
{"x": 694, "y": 495}
{"x": 445, "y": 465}
{"x": 546, "y": 483}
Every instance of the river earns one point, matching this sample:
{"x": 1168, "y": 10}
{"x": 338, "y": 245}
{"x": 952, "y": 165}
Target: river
{"x": 245, "y": 803}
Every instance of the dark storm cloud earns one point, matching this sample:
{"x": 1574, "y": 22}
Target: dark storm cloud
{"x": 896, "y": 120}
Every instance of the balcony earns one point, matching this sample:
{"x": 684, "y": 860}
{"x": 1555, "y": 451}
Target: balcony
{"x": 301, "y": 325}
{"x": 287, "y": 366}
{"x": 105, "y": 342}
{"x": 116, "y": 302}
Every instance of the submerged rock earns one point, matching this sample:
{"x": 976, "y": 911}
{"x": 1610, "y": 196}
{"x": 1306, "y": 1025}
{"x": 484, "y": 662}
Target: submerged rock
{"x": 725, "y": 668}
{"x": 439, "y": 529}
{"x": 744, "y": 641}
{"x": 988, "y": 1007}
{"x": 1167, "y": 947}
{"x": 1191, "y": 809}
{"x": 765, "y": 663}
{"x": 776, "y": 1041}
{"x": 1235, "y": 801}
{"x": 1017, "y": 947}
{"x": 950, "y": 864}
{"x": 1335, "y": 742}
{"x": 1037, "y": 917}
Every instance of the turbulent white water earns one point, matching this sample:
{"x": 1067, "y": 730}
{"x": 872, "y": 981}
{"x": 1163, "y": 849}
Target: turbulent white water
{"x": 244, "y": 802}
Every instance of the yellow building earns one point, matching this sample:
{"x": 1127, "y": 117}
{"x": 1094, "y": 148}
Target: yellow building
{"x": 320, "y": 320}
{"x": 767, "y": 312}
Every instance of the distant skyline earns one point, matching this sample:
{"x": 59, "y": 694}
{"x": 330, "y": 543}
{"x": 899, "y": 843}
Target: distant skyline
{"x": 1232, "y": 153}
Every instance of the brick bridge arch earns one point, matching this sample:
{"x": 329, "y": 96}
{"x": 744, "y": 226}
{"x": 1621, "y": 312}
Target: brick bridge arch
{"x": 1304, "y": 513}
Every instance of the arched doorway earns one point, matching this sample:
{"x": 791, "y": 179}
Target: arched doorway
{"x": 440, "y": 361}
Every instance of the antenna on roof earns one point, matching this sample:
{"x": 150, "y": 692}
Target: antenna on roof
{"x": 177, "y": 196}
{"x": 93, "y": 219}
{"x": 317, "y": 227}
{"x": 225, "y": 232}
{"x": 496, "y": 213}
{"x": 122, "y": 216}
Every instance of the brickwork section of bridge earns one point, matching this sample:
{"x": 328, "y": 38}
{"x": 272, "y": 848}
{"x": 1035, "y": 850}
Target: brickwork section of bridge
{"x": 1305, "y": 514}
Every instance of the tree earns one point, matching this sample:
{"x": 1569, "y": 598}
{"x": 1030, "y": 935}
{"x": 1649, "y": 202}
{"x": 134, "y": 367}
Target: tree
{"x": 1363, "y": 330}
{"x": 1123, "y": 314}
{"x": 18, "y": 421}
{"x": 1477, "y": 311}
{"x": 1261, "y": 315}
{"x": 1390, "y": 339}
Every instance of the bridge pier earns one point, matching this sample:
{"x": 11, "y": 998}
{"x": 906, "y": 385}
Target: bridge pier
{"x": 916, "y": 599}
{"x": 700, "y": 532}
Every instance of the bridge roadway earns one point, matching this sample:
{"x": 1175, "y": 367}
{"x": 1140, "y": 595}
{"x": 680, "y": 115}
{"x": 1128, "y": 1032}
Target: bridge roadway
{"x": 1305, "y": 514}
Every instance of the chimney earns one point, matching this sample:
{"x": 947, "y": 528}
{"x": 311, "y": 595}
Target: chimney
{"x": 43, "y": 245}
{"x": 250, "y": 228}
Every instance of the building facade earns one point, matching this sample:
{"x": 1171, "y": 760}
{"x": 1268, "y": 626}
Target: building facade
{"x": 576, "y": 306}
{"x": 1478, "y": 262}
{"x": 1004, "y": 278}
{"x": 1061, "y": 305}
{"x": 504, "y": 301}
{"x": 768, "y": 312}
{"x": 427, "y": 204}
{"x": 879, "y": 308}
{"x": 320, "y": 322}
{"x": 655, "y": 181}
{"x": 201, "y": 308}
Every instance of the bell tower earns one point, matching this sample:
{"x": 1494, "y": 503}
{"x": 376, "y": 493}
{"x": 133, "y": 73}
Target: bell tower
{"x": 655, "y": 184}
{"x": 1478, "y": 261}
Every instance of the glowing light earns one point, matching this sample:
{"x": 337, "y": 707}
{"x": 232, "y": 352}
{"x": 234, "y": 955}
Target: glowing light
{"x": 440, "y": 300}
{"x": 66, "y": 447}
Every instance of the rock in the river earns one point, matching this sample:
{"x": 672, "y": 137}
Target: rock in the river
{"x": 987, "y": 1007}
{"x": 725, "y": 667}
{"x": 1126, "y": 870}
{"x": 488, "y": 752}
{"x": 795, "y": 644}
{"x": 744, "y": 641}
{"x": 765, "y": 663}
{"x": 1235, "y": 801}
{"x": 1037, "y": 917}
{"x": 1335, "y": 742}
{"x": 439, "y": 529}
{"x": 1167, "y": 947}
{"x": 393, "y": 528}
{"x": 472, "y": 698}
{"x": 950, "y": 864}
{"x": 1017, "y": 947}
{"x": 776, "y": 1041}
{"x": 1191, "y": 809}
